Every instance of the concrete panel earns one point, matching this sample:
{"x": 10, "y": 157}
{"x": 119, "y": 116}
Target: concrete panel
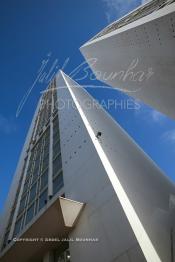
{"x": 146, "y": 187}
{"x": 139, "y": 59}
{"x": 85, "y": 180}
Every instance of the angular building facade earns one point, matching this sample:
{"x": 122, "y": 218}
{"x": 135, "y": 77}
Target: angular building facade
{"x": 83, "y": 190}
{"x": 135, "y": 54}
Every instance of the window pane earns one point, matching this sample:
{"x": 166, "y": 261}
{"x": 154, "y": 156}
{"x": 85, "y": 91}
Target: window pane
{"x": 45, "y": 164}
{"x": 63, "y": 256}
{"x": 46, "y": 151}
{"x": 57, "y": 165}
{"x": 56, "y": 130}
{"x": 28, "y": 172}
{"x": 44, "y": 179}
{"x": 58, "y": 183}
{"x": 47, "y": 139}
{"x": 46, "y": 143}
{"x": 26, "y": 185}
{"x": 55, "y": 122}
{"x": 42, "y": 199}
{"x": 17, "y": 226}
{"x": 36, "y": 167}
{"x": 56, "y": 149}
{"x": 39, "y": 146}
{"x": 56, "y": 137}
{"x": 32, "y": 192}
{"x": 22, "y": 204}
{"x": 38, "y": 155}
{"x": 35, "y": 175}
{"x": 29, "y": 215}
{"x": 67, "y": 255}
{"x": 47, "y": 133}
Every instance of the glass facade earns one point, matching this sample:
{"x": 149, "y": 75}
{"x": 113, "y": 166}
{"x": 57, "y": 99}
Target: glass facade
{"x": 63, "y": 257}
{"x": 62, "y": 254}
{"x": 34, "y": 194}
{"x": 140, "y": 12}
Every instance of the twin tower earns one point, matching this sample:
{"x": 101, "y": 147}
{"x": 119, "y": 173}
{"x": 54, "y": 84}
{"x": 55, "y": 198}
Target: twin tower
{"x": 83, "y": 189}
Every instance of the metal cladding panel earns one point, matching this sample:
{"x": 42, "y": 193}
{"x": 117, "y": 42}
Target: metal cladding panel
{"x": 148, "y": 190}
{"x": 85, "y": 180}
{"x": 139, "y": 59}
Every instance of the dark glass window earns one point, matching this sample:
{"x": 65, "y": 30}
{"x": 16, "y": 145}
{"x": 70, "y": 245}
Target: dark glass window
{"x": 46, "y": 149}
{"x": 35, "y": 176}
{"x": 17, "y": 226}
{"x": 42, "y": 199}
{"x": 57, "y": 165}
{"x": 29, "y": 214}
{"x": 47, "y": 135}
{"x": 62, "y": 255}
{"x": 47, "y": 139}
{"x": 67, "y": 256}
{"x": 58, "y": 183}
{"x": 39, "y": 147}
{"x": 55, "y": 122}
{"x": 32, "y": 193}
{"x": 38, "y": 155}
{"x": 36, "y": 167}
{"x": 56, "y": 149}
{"x": 44, "y": 179}
{"x": 25, "y": 187}
{"x": 29, "y": 167}
{"x": 45, "y": 163}
{"x": 56, "y": 137}
{"x": 45, "y": 152}
{"x": 28, "y": 172}
{"x": 55, "y": 128}
{"x": 22, "y": 204}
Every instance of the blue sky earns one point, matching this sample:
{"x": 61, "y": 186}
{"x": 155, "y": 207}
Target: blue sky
{"x": 30, "y": 30}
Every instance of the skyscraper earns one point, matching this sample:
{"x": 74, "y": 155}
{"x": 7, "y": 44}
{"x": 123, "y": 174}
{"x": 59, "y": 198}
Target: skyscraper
{"x": 83, "y": 190}
{"x": 136, "y": 54}
{"x": 38, "y": 178}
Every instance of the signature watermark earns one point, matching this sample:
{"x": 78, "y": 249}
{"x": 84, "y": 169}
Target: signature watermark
{"x": 45, "y": 75}
{"x": 87, "y": 104}
{"x": 55, "y": 239}
{"x": 48, "y": 70}
{"x": 131, "y": 73}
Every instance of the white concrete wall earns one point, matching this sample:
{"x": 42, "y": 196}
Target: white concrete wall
{"x": 139, "y": 59}
{"x": 86, "y": 180}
